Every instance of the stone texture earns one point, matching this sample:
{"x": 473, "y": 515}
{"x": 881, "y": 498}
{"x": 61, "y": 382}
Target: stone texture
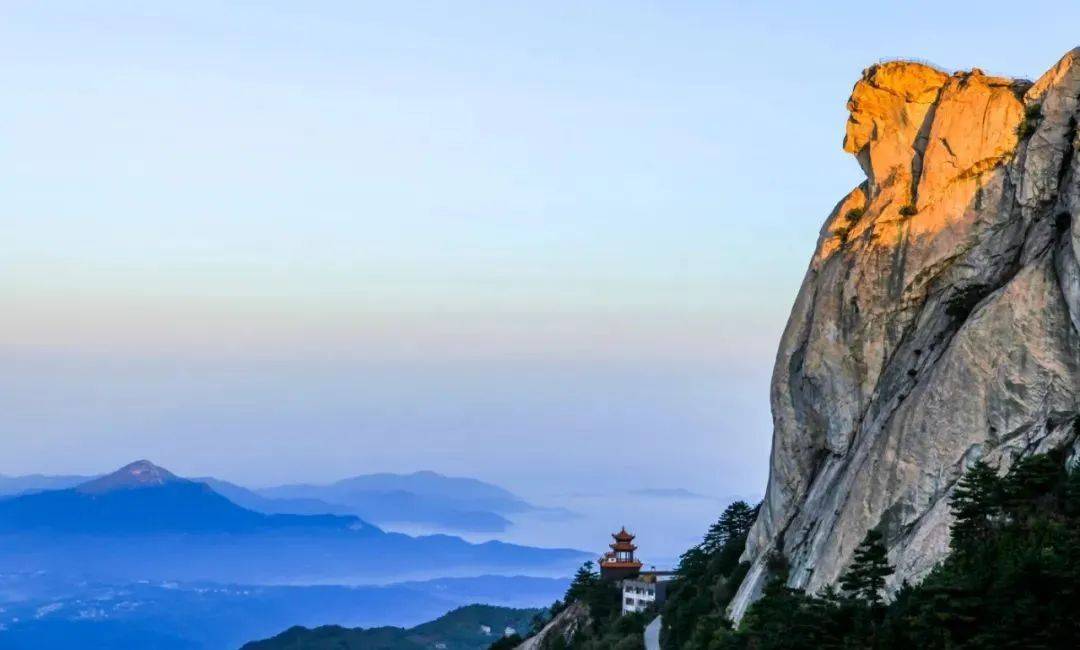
{"x": 937, "y": 323}
{"x": 560, "y": 630}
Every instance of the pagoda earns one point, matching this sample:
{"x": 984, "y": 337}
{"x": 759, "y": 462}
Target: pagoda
{"x": 619, "y": 562}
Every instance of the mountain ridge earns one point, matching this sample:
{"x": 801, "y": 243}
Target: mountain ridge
{"x": 143, "y": 522}
{"x": 135, "y": 475}
{"x": 473, "y": 627}
{"x": 141, "y": 497}
{"x": 426, "y": 499}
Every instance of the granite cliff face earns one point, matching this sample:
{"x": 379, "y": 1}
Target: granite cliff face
{"x": 937, "y": 323}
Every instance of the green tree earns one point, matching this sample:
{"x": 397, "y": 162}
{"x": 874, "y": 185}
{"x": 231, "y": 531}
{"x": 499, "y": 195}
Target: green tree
{"x": 1030, "y": 483}
{"x": 542, "y": 618}
{"x": 583, "y": 583}
{"x": 1011, "y": 581}
{"x": 865, "y": 578}
{"x": 1072, "y": 492}
{"x": 975, "y": 504}
{"x": 507, "y": 642}
{"x": 734, "y": 523}
{"x": 708, "y": 575}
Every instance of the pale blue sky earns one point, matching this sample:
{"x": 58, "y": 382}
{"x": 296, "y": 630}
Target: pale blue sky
{"x": 282, "y": 241}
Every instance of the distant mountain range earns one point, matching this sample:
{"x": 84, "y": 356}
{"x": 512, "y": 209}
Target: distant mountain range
{"x": 144, "y": 498}
{"x": 670, "y": 493}
{"x": 143, "y": 522}
{"x": 424, "y": 499}
{"x": 12, "y": 485}
{"x": 474, "y": 627}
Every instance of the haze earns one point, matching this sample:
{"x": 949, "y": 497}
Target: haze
{"x": 540, "y": 245}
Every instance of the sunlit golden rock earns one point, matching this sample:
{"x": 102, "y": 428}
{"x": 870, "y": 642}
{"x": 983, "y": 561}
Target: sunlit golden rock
{"x": 938, "y": 323}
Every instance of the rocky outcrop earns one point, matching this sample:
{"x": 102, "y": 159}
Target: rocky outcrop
{"x": 561, "y": 628}
{"x": 937, "y": 323}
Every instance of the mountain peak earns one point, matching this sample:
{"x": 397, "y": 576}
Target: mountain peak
{"x": 139, "y": 474}
{"x": 952, "y": 162}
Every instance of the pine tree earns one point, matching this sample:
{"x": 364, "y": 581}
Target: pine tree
{"x": 865, "y": 578}
{"x": 1072, "y": 492}
{"x": 734, "y": 524}
{"x": 541, "y": 619}
{"x": 1029, "y": 480}
{"x": 507, "y": 642}
{"x": 584, "y": 581}
{"x": 975, "y": 503}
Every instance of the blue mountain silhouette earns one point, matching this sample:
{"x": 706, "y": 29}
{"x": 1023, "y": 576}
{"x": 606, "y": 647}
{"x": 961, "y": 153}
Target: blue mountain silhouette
{"x": 142, "y": 522}
{"x": 144, "y": 498}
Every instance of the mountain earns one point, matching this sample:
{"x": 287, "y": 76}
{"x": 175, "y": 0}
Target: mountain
{"x": 252, "y": 500}
{"x": 424, "y": 500}
{"x": 11, "y": 485}
{"x": 401, "y": 507}
{"x": 418, "y": 498}
{"x": 669, "y": 493}
{"x": 144, "y": 523}
{"x": 478, "y": 494}
{"x": 473, "y": 627}
{"x": 937, "y": 324}
{"x": 144, "y": 498}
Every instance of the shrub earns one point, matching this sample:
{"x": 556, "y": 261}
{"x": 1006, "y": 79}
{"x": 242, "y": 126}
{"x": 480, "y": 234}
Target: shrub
{"x": 1032, "y": 116}
{"x": 854, "y": 214}
{"x": 908, "y": 210}
{"x": 507, "y": 642}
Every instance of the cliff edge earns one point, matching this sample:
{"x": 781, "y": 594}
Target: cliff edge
{"x": 937, "y": 323}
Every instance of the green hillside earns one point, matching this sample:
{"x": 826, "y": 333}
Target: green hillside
{"x": 461, "y": 629}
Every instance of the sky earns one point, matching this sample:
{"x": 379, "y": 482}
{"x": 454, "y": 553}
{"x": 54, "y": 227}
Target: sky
{"x": 550, "y": 244}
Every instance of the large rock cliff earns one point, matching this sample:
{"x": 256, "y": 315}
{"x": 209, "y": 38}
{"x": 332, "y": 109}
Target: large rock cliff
{"x": 937, "y": 323}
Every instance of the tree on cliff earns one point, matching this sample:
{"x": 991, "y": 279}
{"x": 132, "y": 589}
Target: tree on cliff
{"x": 865, "y": 578}
{"x": 585, "y": 581}
{"x": 734, "y": 523}
{"x": 1012, "y": 579}
{"x": 975, "y": 504}
{"x": 708, "y": 575}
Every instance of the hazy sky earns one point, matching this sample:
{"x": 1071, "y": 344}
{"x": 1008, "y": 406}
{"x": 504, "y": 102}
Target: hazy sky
{"x": 540, "y": 243}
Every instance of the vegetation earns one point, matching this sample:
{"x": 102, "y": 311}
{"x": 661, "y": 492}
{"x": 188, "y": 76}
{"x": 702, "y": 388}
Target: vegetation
{"x": 850, "y": 218}
{"x": 1011, "y": 580}
{"x": 865, "y": 578}
{"x": 708, "y": 575}
{"x": 507, "y": 642}
{"x": 908, "y": 210}
{"x": 607, "y": 628}
{"x": 1032, "y": 117}
{"x": 964, "y": 299}
{"x": 460, "y": 629}
{"x": 854, "y": 214}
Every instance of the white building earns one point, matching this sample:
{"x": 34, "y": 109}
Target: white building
{"x": 649, "y": 588}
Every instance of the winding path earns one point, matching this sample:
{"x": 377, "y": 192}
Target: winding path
{"x": 652, "y": 635}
